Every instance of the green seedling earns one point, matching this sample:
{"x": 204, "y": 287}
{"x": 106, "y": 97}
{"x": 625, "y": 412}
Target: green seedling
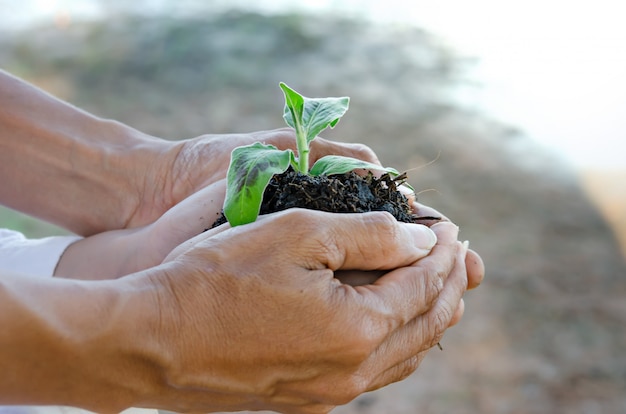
{"x": 253, "y": 166}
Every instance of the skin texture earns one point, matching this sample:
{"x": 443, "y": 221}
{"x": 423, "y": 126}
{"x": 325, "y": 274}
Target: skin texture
{"x": 353, "y": 344}
{"x": 253, "y": 317}
{"x": 210, "y": 331}
{"x": 115, "y": 176}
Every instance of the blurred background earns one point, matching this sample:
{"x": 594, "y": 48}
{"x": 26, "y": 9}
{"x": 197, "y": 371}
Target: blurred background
{"x": 508, "y": 116}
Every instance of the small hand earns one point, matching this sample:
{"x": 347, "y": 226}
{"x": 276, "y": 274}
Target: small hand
{"x": 115, "y": 253}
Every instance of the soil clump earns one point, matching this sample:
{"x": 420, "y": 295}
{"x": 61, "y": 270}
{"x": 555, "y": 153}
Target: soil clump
{"x": 341, "y": 193}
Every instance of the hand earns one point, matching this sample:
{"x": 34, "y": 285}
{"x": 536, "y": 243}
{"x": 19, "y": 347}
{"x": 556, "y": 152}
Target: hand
{"x": 252, "y": 317}
{"x": 190, "y": 165}
{"x": 115, "y": 253}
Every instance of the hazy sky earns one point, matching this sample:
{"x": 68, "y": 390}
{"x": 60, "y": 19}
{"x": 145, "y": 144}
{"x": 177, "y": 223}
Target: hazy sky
{"x": 554, "y": 68}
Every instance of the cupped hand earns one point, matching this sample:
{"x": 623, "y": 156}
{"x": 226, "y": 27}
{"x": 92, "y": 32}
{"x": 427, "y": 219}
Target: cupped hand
{"x": 252, "y": 317}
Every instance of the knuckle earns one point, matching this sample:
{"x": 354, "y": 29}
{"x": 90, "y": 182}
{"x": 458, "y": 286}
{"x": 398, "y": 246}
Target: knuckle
{"x": 303, "y": 224}
{"x": 435, "y": 284}
{"x": 408, "y": 367}
{"x": 363, "y": 152}
{"x": 317, "y": 409}
{"x": 439, "y": 322}
{"x": 298, "y": 215}
{"x": 349, "y": 390}
{"x": 401, "y": 371}
{"x": 433, "y": 287}
{"x": 361, "y": 343}
{"x": 385, "y": 225}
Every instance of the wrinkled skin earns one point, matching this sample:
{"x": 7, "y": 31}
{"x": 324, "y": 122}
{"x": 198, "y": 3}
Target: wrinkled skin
{"x": 302, "y": 341}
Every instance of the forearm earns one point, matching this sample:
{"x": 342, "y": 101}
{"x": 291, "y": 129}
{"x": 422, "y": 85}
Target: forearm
{"x": 76, "y": 343}
{"x": 118, "y": 253}
{"x": 67, "y": 166}
{"x": 107, "y": 255}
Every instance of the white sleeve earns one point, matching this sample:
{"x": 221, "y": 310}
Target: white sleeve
{"x": 64, "y": 410}
{"x": 35, "y": 257}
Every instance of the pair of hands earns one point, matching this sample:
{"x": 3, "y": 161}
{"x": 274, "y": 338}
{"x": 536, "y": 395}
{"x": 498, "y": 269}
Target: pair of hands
{"x": 247, "y": 318}
{"x": 197, "y": 189}
{"x": 256, "y": 317}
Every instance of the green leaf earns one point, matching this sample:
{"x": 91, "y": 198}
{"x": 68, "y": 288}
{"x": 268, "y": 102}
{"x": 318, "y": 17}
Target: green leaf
{"x": 250, "y": 171}
{"x": 294, "y": 105}
{"x": 336, "y": 164}
{"x": 312, "y": 115}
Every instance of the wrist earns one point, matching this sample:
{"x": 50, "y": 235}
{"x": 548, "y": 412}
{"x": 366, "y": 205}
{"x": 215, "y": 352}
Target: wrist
{"x": 89, "y": 344}
{"x": 131, "y": 359}
{"x": 136, "y": 370}
{"x": 107, "y": 255}
{"x": 69, "y": 167}
{"x": 136, "y": 173}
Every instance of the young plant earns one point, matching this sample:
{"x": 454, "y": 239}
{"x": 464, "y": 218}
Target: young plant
{"x": 253, "y": 166}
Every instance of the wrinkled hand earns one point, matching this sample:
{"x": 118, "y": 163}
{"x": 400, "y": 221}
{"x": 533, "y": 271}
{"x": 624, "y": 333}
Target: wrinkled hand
{"x": 261, "y": 322}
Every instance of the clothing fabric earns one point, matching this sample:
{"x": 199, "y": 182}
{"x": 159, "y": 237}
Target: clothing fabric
{"x": 34, "y": 257}
{"x": 39, "y": 257}
{"x": 64, "y": 410}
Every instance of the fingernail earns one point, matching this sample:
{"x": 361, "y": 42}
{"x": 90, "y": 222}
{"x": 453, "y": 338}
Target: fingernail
{"x": 464, "y": 247}
{"x": 424, "y": 237}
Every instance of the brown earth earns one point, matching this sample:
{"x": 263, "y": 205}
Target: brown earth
{"x": 544, "y": 333}
{"x": 339, "y": 193}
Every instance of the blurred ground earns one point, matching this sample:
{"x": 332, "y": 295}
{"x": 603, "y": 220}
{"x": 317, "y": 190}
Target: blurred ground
{"x": 544, "y": 334}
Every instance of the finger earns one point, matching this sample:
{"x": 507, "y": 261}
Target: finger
{"x": 441, "y": 316}
{"x": 364, "y": 241}
{"x": 405, "y": 347}
{"x": 321, "y": 147}
{"x": 421, "y": 210}
{"x": 197, "y": 212}
{"x": 282, "y": 138}
{"x": 198, "y": 232}
{"x": 458, "y": 314}
{"x": 398, "y": 372}
{"x": 475, "y": 269}
{"x": 473, "y": 262}
{"x": 409, "y": 292}
{"x": 191, "y": 243}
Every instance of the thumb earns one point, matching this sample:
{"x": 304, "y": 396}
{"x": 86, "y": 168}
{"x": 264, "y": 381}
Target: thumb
{"x": 368, "y": 241}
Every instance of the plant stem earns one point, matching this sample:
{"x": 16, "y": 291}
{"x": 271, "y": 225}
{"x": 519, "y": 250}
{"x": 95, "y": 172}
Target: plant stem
{"x": 303, "y": 149}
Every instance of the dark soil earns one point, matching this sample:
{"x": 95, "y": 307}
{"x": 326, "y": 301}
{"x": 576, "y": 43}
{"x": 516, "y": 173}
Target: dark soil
{"x": 342, "y": 193}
